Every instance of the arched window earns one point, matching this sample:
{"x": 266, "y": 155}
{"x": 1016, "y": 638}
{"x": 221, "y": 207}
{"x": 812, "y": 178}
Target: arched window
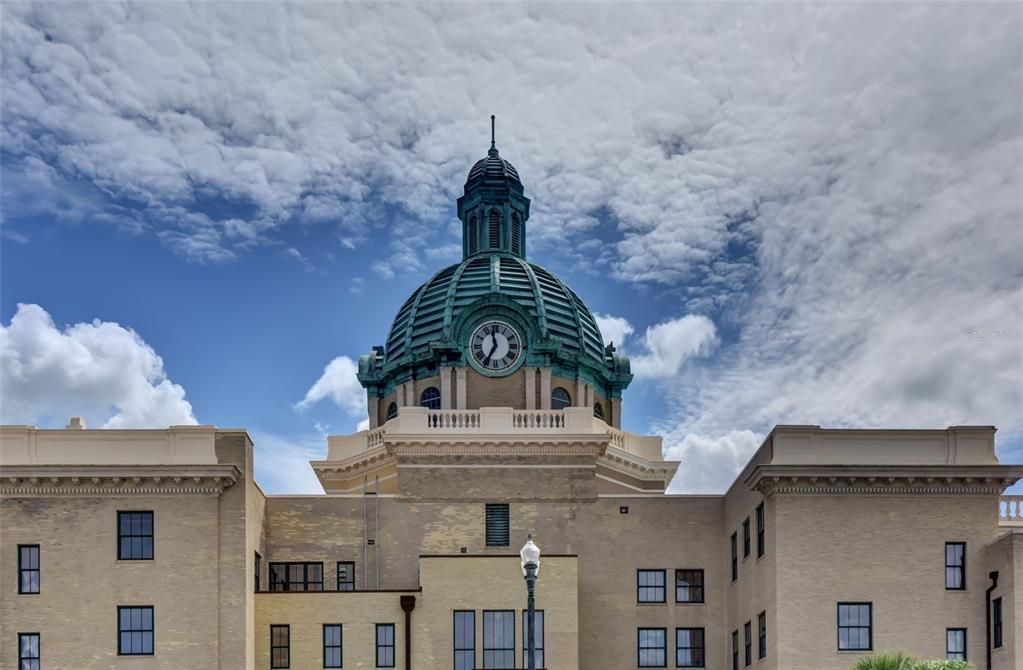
{"x": 560, "y": 399}
{"x": 474, "y": 235}
{"x": 392, "y": 411}
{"x": 515, "y": 234}
{"x": 430, "y": 398}
{"x": 495, "y": 229}
{"x": 598, "y": 410}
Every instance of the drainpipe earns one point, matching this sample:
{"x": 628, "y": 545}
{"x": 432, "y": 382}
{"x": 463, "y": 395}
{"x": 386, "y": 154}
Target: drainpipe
{"x": 993, "y": 576}
{"x": 408, "y": 603}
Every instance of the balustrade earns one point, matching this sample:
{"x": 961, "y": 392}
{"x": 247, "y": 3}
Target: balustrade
{"x": 1010, "y": 510}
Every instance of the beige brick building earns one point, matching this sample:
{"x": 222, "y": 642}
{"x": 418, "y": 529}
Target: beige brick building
{"x": 495, "y": 412}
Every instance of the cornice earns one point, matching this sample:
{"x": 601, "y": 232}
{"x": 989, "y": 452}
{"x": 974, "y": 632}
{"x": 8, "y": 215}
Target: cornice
{"x": 638, "y": 468}
{"x": 20, "y": 481}
{"x": 497, "y": 446}
{"x": 884, "y": 480}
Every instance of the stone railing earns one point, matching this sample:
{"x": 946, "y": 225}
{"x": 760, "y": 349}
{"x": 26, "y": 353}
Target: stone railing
{"x": 448, "y": 419}
{"x": 1010, "y": 510}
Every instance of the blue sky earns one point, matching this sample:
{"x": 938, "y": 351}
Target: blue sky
{"x": 784, "y": 214}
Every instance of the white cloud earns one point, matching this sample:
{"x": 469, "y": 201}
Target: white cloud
{"x": 709, "y": 464}
{"x": 339, "y": 383}
{"x": 282, "y": 463}
{"x": 99, "y": 370}
{"x": 670, "y": 344}
{"x": 614, "y": 328}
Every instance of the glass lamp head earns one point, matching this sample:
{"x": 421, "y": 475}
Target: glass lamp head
{"x": 530, "y": 553}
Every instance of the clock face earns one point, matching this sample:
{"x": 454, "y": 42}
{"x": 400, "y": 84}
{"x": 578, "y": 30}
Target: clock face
{"x": 495, "y": 346}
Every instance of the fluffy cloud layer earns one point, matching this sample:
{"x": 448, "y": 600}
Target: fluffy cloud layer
{"x": 339, "y": 384}
{"x": 99, "y": 370}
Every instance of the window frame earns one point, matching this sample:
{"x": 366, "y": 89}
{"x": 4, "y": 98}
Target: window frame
{"x": 961, "y": 569}
{"x": 337, "y": 575}
{"x": 286, "y": 646}
{"x": 735, "y": 556}
{"x": 747, "y": 639}
{"x": 761, "y": 542}
{"x": 486, "y": 524}
{"x": 556, "y": 401}
{"x": 691, "y": 587}
{"x": 391, "y": 412}
{"x": 746, "y": 539}
{"x": 869, "y": 626}
{"x": 143, "y": 631}
{"x": 39, "y": 651}
{"x": 735, "y": 649}
{"x": 663, "y": 648}
{"x": 663, "y": 587}
{"x": 997, "y": 634}
{"x": 502, "y": 650}
{"x": 384, "y": 647}
{"x": 339, "y": 646}
{"x": 702, "y": 663}
{"x": 762, "y": 635}
{"x": 121, "y": 535}
{"x": 540, "y": 652}
{"x": 273, "y": 567}
{"x": 433, "y": 402}
{"x": 961, "y": 655}
{"x": 455, "y": 649}
{"x": 22, "y": 570}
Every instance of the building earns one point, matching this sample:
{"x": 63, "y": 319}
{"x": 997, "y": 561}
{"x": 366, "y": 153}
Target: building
{"x": 495, "y": 411}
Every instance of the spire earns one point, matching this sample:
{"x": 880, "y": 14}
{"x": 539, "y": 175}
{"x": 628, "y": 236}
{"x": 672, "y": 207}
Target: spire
{"x": 493, "y": 144}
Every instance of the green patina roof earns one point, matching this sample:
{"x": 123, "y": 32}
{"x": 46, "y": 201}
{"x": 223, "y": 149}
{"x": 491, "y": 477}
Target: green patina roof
{"x": 427, "y": 316}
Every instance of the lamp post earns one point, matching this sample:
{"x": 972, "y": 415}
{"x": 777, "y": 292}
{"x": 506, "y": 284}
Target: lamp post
{"x": 530, "y": 555}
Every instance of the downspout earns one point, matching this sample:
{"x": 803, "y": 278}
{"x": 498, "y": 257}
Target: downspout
{"x": 408, "y": 603}
{"x": 993, "y": 576}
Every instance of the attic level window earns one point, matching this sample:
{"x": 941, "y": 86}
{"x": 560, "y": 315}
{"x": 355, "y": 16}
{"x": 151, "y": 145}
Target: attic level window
{"x": 296, "y": 576}
{"x": 495, "y": 229}
{"x": 560, "y": 399}
{"x": 392, "y": 411}
{"x": 598, "y": 410}
{"x": 498, "y": 526}
{"x": 430, "y": 398}
{"x": 474, "y": 235}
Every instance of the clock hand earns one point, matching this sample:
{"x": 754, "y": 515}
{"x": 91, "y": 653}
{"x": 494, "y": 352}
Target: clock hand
{"x": 493, "y": 348}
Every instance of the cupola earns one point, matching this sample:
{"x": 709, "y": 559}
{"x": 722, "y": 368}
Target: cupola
{"x": 493, "y": 209}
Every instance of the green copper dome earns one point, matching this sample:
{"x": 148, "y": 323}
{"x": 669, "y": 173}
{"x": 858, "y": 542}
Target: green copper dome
{"x": 431, "y": 311}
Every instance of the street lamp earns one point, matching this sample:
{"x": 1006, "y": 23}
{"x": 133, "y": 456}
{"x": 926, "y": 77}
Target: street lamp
{"x": 530, "y": 555}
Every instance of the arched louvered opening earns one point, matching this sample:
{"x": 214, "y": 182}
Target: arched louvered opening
{"x": 560, "y": 399}
{"x": 392, "y": 411}
{"x": 474, "y": 235}
{"x": 430, "y": 398}
{"x": 495, "y": 229}
{"x": 598, "y": 410}
{"x": 516, "y": 245}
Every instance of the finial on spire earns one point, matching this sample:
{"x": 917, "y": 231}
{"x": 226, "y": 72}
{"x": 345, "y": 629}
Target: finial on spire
{"x": 493, "y": 144}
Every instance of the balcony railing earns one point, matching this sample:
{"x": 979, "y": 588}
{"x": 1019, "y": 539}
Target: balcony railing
{"x": 1010, "y": 511}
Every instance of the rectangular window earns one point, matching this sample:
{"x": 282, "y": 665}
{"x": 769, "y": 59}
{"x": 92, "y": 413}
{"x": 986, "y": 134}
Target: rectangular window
{"x": 745, "y": 538}
{"x": 955, "y": 566}
{"x": 762, "y": 634}
{"x": 689, "y": 648}
{"x": 135, "y": 536}
{"x": 465, "y": 640}
{"x": 735, "y": 556}
{"x": 735, "y": 649}
{"x": 996, "y": 622}
{"x": 258, "y": 565}
{"x": 652, "y": 647}
{"x": 345, "y": 576}
{"x": 28, "y": 651}
{"x": 689, "y": 586}
{"x": 537, "y": 638}
{"x": 955, "y": 644}
{"x": 135, "y": 631}
{"x": 499, "y": 639}
{"x": 747, "y": 632}
{"x": 760, "y": 530}
{"x": 855, "y": 627}
{"x": 498, "y": 526}
{"x": 296, "y": 576}
{"x": 650, "y": 586}
{"x": 332, "y": 645}
{"x": 28, "y": 568}
{"x": 280, "y": 646}
{"x": 385, "y": 645}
